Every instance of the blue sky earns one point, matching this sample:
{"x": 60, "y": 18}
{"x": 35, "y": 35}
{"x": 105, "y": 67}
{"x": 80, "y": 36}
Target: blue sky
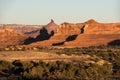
{"x": 41, "y": 11}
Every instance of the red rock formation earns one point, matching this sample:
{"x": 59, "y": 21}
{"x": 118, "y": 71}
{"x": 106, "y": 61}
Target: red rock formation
{"x": 93, "y": 27}
{"x": 68, "y": 29}
{"x": 52, "y": 26}
{"x": 29, "y": 30}
{"x": 10, "y": 37}
{"x": 89, "y": 33}
{"x": 96, "y": 34}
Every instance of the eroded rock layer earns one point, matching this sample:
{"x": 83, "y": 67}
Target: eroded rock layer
{"x": 10, "y": 37}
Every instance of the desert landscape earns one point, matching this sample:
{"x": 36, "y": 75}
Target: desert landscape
{"x": 89, "y": 33}
{"x": 59, "y": 40}
{"x": 90, "y": 44}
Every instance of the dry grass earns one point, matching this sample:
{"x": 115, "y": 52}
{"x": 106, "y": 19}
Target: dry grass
{"x": 44, "y": 56}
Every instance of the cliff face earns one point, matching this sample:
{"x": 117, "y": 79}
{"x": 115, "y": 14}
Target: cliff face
{"x": 68, "y": 29}
{"x": 88, "y": 27}
{"x": 89, "y": 33}
{"x": 63, "y": 31}
{"x": 93, "y": 27}
{"x": 95, "y": 34}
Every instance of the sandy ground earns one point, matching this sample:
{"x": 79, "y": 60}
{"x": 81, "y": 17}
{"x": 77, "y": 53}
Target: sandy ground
{"x": 45, "y": 56}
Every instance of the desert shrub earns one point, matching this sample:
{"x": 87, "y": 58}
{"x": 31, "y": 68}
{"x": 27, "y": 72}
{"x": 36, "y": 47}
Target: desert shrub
{"x": 17, "y": 63}
{"x": 5, "y": 65}
{"x": 18, "y": 67}
{"x": 69, "y": 51}
{"x": 66, "y": 70}
{"x": 91, "y": 53}
{"x": 56, "y": 70}
{"x": 23, "y": 48}
{"x": 34, "y": 73}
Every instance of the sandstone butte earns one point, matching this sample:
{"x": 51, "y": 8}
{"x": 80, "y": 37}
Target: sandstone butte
{"x": 89, "y": 33}
{"x": 52, "y": 26}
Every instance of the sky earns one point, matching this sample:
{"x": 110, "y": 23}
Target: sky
{"x": 40, "y": 12}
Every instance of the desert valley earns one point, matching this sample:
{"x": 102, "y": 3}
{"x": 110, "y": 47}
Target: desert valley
{"x": 89, "y": 33}
{"x": 69, "y": 51}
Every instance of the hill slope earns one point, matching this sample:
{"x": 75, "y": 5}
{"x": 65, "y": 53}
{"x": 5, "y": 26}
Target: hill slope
{"x": 10, "y": 37}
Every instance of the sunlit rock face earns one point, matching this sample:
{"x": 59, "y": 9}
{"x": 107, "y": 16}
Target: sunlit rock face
{"x": 68, "y": 29}
{"x": 10, "y": 37}
{"x": 89, "y": 33}
{"x": 93, "y": 27}
{"x": 95, "y": 33}
{"x": 51, "y": 27}
{"x": 89, "y": 27}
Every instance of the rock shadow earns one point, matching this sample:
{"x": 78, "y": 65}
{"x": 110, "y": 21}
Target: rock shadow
{"x": 82, "y": 29}
{"x": 69, "y": 38}
{"x": 114, "y": 42}
{"x": 41, "y": 37}
{"x": 58, "y": 44}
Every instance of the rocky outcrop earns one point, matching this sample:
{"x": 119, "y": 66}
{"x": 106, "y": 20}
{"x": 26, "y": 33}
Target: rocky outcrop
{"x": 29, "y": 30}
{"x": 94, "y": 33}
{"x": 64, "y": 31}
{"x": 93, "y": 27}
{"x": 89, "y": 33}
{"x": 68, "y": 29}
{"x": 10, "y": 37}
{"x": 8, "y": 31}
{"x": 51, "y": 27}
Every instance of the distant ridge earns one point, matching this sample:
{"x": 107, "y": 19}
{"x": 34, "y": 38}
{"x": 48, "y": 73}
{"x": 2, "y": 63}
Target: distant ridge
{"x": 91, "y": 21}
{"x": 89, "y": 33}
